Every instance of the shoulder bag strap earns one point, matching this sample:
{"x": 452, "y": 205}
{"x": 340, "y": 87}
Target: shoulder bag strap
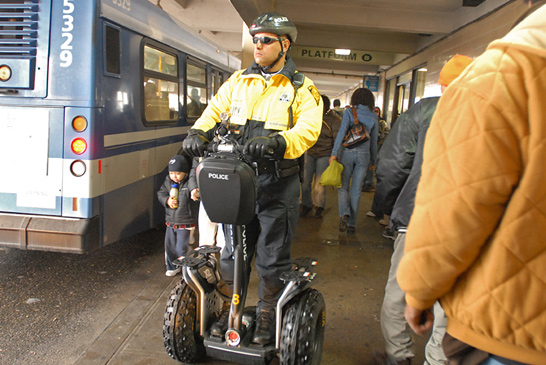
{"x": 354, "y": 114}
{"x": 326, "y": 124}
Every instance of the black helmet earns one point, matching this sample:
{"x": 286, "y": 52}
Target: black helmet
{"x": 274, "y": 23}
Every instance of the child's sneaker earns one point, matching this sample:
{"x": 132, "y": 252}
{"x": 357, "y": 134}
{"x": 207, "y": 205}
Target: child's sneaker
{"x": 172, "y": 272}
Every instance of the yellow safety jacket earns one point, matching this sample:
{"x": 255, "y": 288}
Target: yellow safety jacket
{"x": 252, "y": 100}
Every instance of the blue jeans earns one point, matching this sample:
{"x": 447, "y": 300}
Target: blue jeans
{"x": 497, "y": 360}
{"x": 368, "y": 180}
{"x": 355, "y": 165}
{"x": 312, "y": 193}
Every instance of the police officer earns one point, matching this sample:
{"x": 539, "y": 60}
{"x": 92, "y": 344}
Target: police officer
{"x": 276, "y": 114}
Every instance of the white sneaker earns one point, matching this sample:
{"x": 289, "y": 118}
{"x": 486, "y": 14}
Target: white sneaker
{"x": 172, "y": 272}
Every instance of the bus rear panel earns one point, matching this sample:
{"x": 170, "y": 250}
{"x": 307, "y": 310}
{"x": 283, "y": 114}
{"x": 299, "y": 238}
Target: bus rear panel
{"x": 83, "y": 149}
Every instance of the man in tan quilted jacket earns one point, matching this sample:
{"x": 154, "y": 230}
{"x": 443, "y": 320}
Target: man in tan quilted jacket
{"x": 477, "y": 237}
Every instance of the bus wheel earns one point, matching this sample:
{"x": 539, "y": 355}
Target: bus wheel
{"x": 302, "y": 334}
{"x": 180, "y": 328}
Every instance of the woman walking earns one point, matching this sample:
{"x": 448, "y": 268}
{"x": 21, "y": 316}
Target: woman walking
{"x": 356, "y": 160}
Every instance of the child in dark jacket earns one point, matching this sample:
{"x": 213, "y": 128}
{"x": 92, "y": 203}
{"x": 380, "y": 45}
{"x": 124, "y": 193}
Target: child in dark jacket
{"x": 181, "y": 214}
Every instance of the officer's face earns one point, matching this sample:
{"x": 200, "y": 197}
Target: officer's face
{"x": 265, "y": 54}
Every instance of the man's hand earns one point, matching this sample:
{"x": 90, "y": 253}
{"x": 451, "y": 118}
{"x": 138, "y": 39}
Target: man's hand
{"x": 332, "y": 158}
{"x": 259, "y": 147}
{"x": 195, "y": 143}
{"x": 419, "y": 320}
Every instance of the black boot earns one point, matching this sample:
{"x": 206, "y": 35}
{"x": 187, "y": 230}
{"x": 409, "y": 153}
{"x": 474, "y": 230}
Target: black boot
{"x": 219, "y": 327}
{"x": 343, "y": 223}
{"x": 304, "y": 210}
{"x": 225, "y": 290}
{"x": 265, "y": 327}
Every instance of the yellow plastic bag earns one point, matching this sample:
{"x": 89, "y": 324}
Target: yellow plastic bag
{"x": 332, "y": 175}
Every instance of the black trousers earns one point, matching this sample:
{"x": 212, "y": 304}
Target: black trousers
{"x": 269, "y": 236}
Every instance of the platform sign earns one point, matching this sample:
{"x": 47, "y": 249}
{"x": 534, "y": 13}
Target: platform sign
{"x": 355, "y": 56}
{"x": 372, "y": 83}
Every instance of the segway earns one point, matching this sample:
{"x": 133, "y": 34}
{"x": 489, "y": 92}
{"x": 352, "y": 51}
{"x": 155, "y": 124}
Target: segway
{"x": 228, "y": 189}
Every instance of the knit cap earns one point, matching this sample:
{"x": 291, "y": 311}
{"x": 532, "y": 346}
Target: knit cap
{"x": 453, "y": 68}
{"x": 179, "y": 164}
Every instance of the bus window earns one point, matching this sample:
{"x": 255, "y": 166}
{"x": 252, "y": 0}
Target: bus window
{"x": 217, "y": 81}
{"x": 196, "y": 74}
{"x": 160, "y": 86}
{"x": 112, "y": 50}
{"x": 158, "y": 61}
{"x": 195, "y": 102}
{"x": 196, "y": 92}
{"x": 214, "y": 82}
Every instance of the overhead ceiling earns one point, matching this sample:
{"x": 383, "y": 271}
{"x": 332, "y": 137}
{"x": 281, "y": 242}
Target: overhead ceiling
{"x": 389, "y": 30}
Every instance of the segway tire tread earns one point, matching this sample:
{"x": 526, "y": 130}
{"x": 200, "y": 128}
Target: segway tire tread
{"x": 302, "y": 334}
{"x": 180, "y": 329}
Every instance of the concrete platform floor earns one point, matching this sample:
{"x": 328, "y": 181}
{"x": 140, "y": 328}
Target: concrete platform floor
{"x": 352, "y": 272}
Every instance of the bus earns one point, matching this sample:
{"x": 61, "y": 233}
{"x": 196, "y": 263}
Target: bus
{"x": 95, "y": 97}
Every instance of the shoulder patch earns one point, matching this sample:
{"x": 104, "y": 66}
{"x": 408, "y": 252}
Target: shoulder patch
{"x": 314, "y": 92}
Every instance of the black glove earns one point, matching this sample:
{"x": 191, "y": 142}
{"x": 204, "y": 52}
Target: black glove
{"x": 260, "y": 147}
{"x": 195, "y": 143}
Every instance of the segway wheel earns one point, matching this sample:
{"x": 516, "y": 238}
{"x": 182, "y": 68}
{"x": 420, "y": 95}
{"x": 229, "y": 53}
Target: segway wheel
{"x": 180, "y": 327}
{"x": 302, "y": 334}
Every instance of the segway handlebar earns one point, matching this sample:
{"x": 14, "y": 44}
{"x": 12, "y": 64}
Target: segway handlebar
{"x": 215, "y": 147}
{"x": 224, "y": 141}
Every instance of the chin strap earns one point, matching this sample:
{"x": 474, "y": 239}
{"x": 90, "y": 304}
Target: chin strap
{"x": 281, "y": 53}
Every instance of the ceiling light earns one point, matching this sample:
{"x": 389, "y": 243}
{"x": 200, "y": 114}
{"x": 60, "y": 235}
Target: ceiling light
{"x": 343, "y": 52}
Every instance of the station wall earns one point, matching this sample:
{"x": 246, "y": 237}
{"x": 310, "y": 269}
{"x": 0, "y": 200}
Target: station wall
{"x": 471, "y": 40}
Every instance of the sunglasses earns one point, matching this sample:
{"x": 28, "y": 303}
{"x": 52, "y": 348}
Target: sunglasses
{"x": 264, "y": 40}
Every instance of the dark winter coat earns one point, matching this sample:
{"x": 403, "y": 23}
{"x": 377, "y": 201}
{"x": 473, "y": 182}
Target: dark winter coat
{"x": 330, "y": 126}
{"x": 399, "y": 167}
{"x": 187, "y": 210}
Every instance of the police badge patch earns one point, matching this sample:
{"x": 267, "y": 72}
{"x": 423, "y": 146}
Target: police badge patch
{"x": 316, "y": 95}
{"x": 285, "y": 98}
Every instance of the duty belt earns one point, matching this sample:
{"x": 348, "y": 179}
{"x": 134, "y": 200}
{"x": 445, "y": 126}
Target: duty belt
{"x": 180, "y": 226}
{"x": 282, "y": 168}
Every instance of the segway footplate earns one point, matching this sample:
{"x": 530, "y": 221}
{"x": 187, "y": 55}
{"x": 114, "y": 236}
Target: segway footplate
{"x": 297, "y": 276}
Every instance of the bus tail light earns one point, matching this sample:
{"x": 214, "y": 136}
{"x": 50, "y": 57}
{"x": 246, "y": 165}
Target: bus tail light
{"x": 78, "y": 168}
{"x": 78, "y": 145}
{"x": 79, "y": 124}
{"x": 5, "y": 73}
